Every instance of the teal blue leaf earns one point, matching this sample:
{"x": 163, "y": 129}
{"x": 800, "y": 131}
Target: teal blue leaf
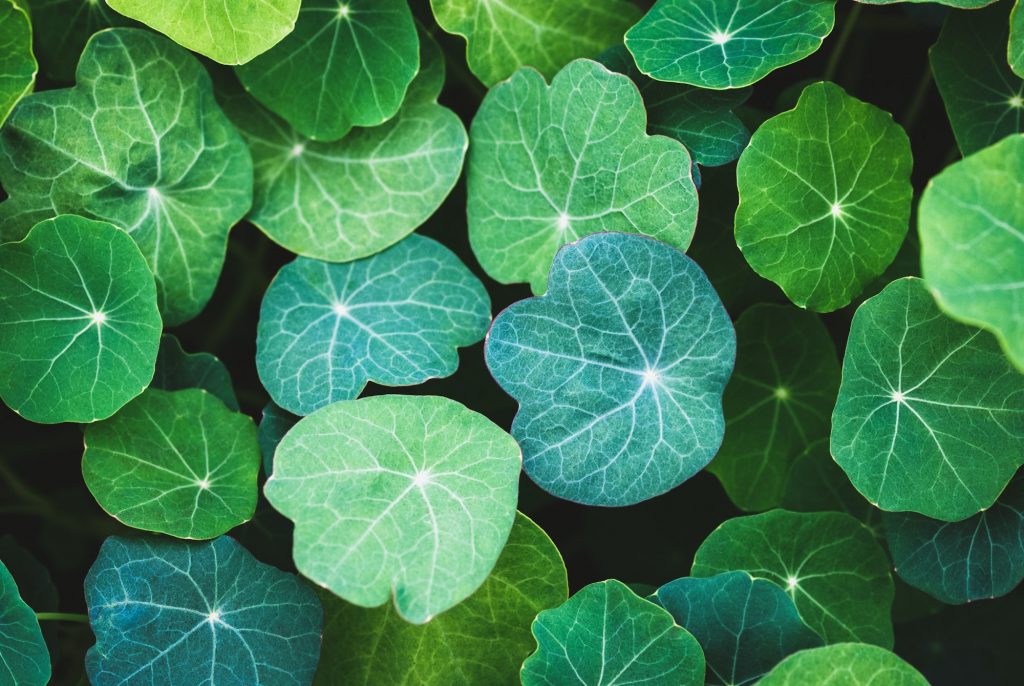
{"x": 177, "y": 370}
{"x": 275, "y": 423}
{"x": 396, "y": 318}
{"x": 23, "y": 653}
{"x": 618, "y": 370}
{"x": 167, "y": 613}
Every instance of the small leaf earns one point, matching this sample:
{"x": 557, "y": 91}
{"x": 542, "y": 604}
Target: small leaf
{"x": 276, "y": 422}
{"x": 19, "y": 64}
{"x": 169, "y": 613}
{"x": 79, "y": 326}
{"x": 403, "y": 497}
{"x": 1015, "y": 47}
{"x": 396, "y": 318}
{"x": 23, "y": 653}
{"x": 177, "y": 370}
{"x": 605, "y": 634}
{"x": 61, "y": 29}
{"x": 848, "y": 664}
{"x": 619, "y": 371}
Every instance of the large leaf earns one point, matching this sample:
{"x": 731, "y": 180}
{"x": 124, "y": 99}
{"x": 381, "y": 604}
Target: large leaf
{"x": 403, "y": 497}
{"x": 174, "y": 462}
{"x": 778, "y": 401}
{"x": 177, "y": 369}
{"x": 846, "y": 664}
{"x": 551, "y": 164}
{"x": 606, "y": 635}
{"x": 396, "y": 318}
{"x": 824, "y": 197}
{"x": 79, "y": 326}
{"x": 482, "y": 640}
{"x": 23, "y": 653}
{"x": 727, "y": 43}
{"x": 930, "y": 416}
{"x": 828, "y": 562}
{"x": 971, "y": 222}
{"x": 984, "y": 98}
{"x": 140, "y": 143}
{"x": 229, "y": 31}
{"x": 544, "y": 34}
{"x": 345, "y": 64}
{"x": 63, "y": 27}
{"x": 619, "y": 371}
{"x": 19, "y": 65}
{"x": 168, "y": 613}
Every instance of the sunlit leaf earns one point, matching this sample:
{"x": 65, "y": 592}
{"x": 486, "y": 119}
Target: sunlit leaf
{"x": 19, "y": 65}
{"x": 177, "y": 369}
{"x": 1015, "y": 47}
{"x": 23, "y": 653}
{"x": 846, "y": 664}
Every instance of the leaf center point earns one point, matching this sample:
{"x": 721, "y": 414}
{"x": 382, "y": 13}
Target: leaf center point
{"x": 837, "y": 210}
{"x": 98, "y": 318}
{"x": 340, "y": 309}
{"x": 721, "y": 37}
{"x": 1016, "y": 102}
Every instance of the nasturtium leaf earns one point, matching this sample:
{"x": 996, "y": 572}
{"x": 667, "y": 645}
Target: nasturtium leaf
{"x": 984, "y": 98}
{"x": 1015, "y": 47}
{"x": 141, "y": 143}
{"x": 778, "y": 401}
{"x": 396, "y": 318}
{"x": 845, "y": 664}
{"x": 274, "y": 424}
{"x": 971, "y": 222}
{"x": 828, "y": 562}
{"x": 930, "y": 415}
{"x": 63, "y": 27}
{"x": 824, "y": 197}
{"x": 79, "y": 326}
{"x": 501, "y": 37}
{"x": 551, "y": 164}
{"x": 959, "y": 4}
{"x": 744, "y": 625}
{"x": 228, "y": 31}
{"x": 481, "y": 641}
{"x": 24, "y": 658}
{"x": 19, "y": 65}
{"x": 33, "y": 578}
{"x": 618, "y": 370}
{"x": 346, "y": 64}
{"x": 606, "y": 635}
{"x": 168, "y": 613}
{"x": 403, "y": 497}
{"x": 177, "y": 369}
{"x": 343, "y": 200}
{"x": 957, "y": 562}
{"x": 174, "y": 462}
{"x": 727, "y": 43}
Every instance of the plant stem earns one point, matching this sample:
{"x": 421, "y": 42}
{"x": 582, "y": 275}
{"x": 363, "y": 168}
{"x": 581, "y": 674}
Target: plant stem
{"x": 917, "y": 101}
{"x": 62, "y": 617}
{"x": 844, "y": 38}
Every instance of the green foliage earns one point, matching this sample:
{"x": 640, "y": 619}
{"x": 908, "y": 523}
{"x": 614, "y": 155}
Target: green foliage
{"x": 19, "y": 65}
{"x": 1015, "y": 47}
{"x": 961, "y": 4}
{"x": 63, "y": 27}
{"x": 23, "y": 652}
{"x": 177, "y": 369}
{"x": 846, "y": 664}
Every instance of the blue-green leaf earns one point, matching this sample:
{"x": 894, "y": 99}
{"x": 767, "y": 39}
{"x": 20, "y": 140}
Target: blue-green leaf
{"x": 177, "y": 370}
{"x": 24, "y": 658}
{"x": 274, "y": 424}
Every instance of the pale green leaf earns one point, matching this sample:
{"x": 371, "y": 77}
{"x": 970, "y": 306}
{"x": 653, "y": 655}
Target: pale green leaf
{"x": 1015, "y": 47}
{"x": 19, "y": 65}
{"x": 846, "y": 664}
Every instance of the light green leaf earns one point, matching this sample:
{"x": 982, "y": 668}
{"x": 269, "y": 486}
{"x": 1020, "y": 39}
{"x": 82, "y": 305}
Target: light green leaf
{"x": 930, "y": 416}
{"x": 229, "y": 31}
{"x": 19, "y": 64}
{"x": 727, "y": 43}
{"x": 1015, "y": 47}
{"x": 23, "y": 653}
{"x": 971, "y": 223}
{"x": 824, "y": 197}
{"x": 846, "y": 664}
{"x": 481, "y": 641}
{"x": 63, "y": 27}
{"x": 79, "y": 327}
{"x": 552, "y": 164}
{"x": 177, "y": 370}
{"x": 960, "y": 4}
{"x": 396, "y": 318}
{"x": 403, "y": 497}
{"x": 605, "y": 635}
{"x": 174, "y": 462}
{"x": 828, "y": 562}
{"x": 983, "y": 98}
{"x": 346, "y": 64}
{"x": 504, "y": 35}
{"x": 139, "y": 143}
{"x": 778, "y": 400}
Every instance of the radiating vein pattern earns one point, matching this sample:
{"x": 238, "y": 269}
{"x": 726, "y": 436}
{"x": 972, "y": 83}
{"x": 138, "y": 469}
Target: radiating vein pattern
{"x": 930, "y": 416}
{"x": 24, "y": 658}
{"x": 168, "y": 613}
{"x": 847, "y": 664}
{"x": 619, "y": 371}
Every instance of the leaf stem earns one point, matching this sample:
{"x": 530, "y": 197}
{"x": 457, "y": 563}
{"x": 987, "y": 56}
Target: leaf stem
{"x": 844, "y": 38}
{"x": 913, "y": 112}
{"x": 62, "y": 617}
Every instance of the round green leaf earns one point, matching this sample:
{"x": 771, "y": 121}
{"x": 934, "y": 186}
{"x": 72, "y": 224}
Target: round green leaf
{"x": 984, "y": 98}
{"x": 403, "y": 497}
{"x": 346, "y": 64}
{"x": 551, "y": 164}
{"x": 275, "y": 423}
{"x": 397, "y": 318}
{"x": 824, "y": 197}
{"x": 140, "y": 143}
{"x": 846, "y": 664}
{"x": 727, "y": 43}
{"x": 619, "y": 371}
{"x": 23, "y": 653}
{"x": 778, "y": 401}
{"x": 501, "y": 37}
{"x": 174, "y": 462}
{"x": 63, "y": 27}
{"x": 828, "y": 562}
{"x": 930, "y": 416}
{"x": 229, "y": 31}
{"x": 744, "y": 625}
{"x": 177, "y": 370}
{"x": 960, "y": 4}
{"x": 1015, "y": 47}
{"x": 482, "y": 640}
{"x": 79, "y": 326}
{"x": 19, "y": 65}
{"x": 168, "y": 613}
{"x": 971, "y": 222}
{"x": 33, "y": 578}
{"x": 606, "y": 634}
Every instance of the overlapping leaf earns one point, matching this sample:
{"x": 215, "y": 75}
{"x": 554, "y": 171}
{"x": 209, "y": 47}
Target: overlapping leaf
{"x": 19, "y": 65}
{"x": 177, "y": 369}
{"x": 63, "y": 27}
{"x": 815, "y": 483}
{"x": 23, "y": 653}
{"x": 1015, "y": 47}
{"x": 274, "y": 424}
{"x": 849, "y": 664}
{"x": 959, "y": 4}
